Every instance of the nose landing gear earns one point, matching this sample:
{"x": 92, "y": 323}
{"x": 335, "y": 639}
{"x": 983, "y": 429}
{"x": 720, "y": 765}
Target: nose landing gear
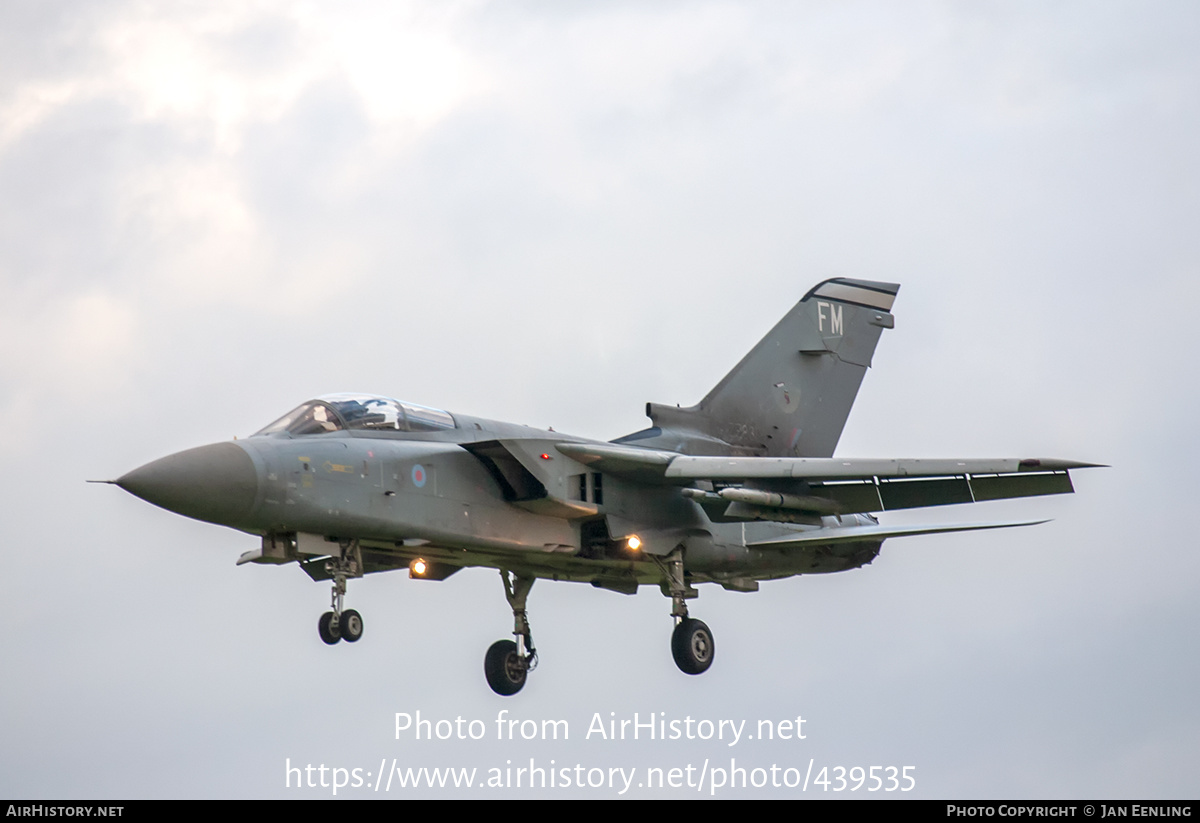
{"x": 337, "y": 624}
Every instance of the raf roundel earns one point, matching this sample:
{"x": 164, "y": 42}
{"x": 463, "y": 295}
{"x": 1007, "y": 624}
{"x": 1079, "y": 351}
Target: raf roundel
{"x": 418, "y": 476}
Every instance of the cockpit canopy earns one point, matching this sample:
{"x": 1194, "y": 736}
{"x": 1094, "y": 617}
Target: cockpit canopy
{"x": 339, "y": 412}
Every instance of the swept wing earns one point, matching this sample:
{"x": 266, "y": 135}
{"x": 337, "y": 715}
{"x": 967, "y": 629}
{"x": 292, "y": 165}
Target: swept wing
{"x": 830, "y": 485}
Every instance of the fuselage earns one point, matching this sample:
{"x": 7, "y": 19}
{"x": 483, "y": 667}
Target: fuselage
{"x": 465, "y": 491}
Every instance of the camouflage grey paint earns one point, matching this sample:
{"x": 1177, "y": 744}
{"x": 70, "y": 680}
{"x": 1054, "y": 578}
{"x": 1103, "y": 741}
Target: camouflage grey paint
{"x": 542, "y": 504}
{"x": 791, "y": 395}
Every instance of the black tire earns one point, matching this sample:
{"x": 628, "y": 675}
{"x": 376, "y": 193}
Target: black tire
{"x": 692, "y": 646}
{"x": 326, "y": 630}
{"x": 350, "y": 627}
{"x": 504, "y": 668}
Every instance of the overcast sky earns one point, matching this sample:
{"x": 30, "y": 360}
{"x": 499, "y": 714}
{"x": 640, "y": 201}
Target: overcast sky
{"x": 551, "y": 213}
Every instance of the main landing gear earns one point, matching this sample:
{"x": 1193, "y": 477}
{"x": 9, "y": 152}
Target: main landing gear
{"x": 692, "y": 642}
{"x": 507, "y": 663}
{"x": 337, "y": 624}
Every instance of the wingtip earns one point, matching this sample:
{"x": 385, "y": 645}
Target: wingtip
{"x": 1040, "y": 464}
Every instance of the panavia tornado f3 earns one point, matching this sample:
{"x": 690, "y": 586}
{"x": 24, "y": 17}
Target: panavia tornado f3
{"x": 742, "y": 487}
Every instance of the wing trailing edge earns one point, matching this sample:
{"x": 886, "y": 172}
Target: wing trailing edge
{"x": 856, "y": 534}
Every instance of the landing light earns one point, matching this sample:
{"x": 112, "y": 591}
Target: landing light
{"x": 634, "y": 543}
{"x": 417, "y": 568}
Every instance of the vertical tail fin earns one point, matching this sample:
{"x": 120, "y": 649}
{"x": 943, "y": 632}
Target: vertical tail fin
{"x": 791, "y": 395}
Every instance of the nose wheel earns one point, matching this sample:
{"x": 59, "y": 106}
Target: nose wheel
{"x": 351, "y": 626}
{"x": 348, "y": 627}
{"x": 329, "y": 629}
{"x": 338, "y": 624}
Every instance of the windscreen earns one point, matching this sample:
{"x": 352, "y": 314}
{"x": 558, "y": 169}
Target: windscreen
{"x": 337, "y": 412}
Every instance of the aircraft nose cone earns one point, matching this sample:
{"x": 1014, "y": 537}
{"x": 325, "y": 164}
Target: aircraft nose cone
{"x": 216, "y": 483}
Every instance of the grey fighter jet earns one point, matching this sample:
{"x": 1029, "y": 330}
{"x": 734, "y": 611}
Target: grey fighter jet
{"x": 742, "y": 487}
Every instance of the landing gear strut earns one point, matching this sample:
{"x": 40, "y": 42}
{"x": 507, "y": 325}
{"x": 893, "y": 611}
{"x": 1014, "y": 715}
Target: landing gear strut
{"x": 337, "y": 624}
{"x": 692, "y": 642}
{"x": 507, "y": 663}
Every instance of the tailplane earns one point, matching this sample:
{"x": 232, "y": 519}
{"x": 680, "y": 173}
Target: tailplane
{"x": 791, "y": 395}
